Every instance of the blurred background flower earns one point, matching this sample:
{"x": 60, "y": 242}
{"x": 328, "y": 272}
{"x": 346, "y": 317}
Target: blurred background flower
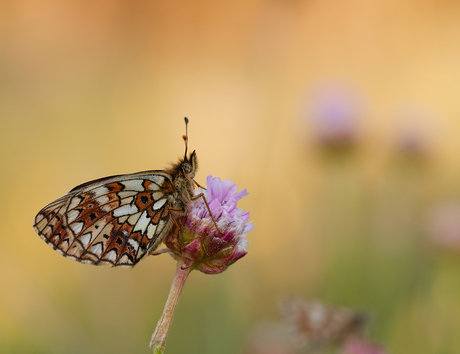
{"x": 362, "y": 346}
{"x": 94, "y": 90}
{"x": 335, "y": 112}
{"x": 416, "y": 132}
{"x": 443, "y": 226}
{"x": 314, "y": 325}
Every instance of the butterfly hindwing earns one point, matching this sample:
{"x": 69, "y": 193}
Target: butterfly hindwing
{"x": 114, "y": 220}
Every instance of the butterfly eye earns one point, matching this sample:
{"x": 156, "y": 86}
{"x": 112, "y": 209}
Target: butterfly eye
{"x": 186, "y": 168}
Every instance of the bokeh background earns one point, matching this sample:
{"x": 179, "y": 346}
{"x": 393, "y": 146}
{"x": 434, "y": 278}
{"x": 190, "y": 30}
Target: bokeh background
{"x": 341, "y": 118}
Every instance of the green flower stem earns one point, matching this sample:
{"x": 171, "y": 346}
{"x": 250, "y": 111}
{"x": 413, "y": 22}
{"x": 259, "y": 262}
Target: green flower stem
{"x": 158, "y": 341}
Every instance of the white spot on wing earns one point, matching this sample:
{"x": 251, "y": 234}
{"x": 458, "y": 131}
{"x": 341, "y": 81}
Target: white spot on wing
{"x": 105, "y": 208}
{"x": 133, "y": 185}
{"x": 125, "y": 194}
{"x": 157, "y": 195}
{"x": 97, "y": 249}
{"x": 151, "y": 230}
{"x": 100, "y": 191}
{"x": 159, "y": 204}
{"x": 125, "y": 201}
{"x": 86, "y": 238}
{"x": 154, "y": 187}
{"x": 74, "y": 202}
{"x": 133, "y": 243}
{"x": 111, "y": 256}
{"x": 77, "y": 227}
{"x": 127, "y": 209}
{"x": 143, "y": 222}
{"x": 158, "y": 180}
{"x": 317, "y": 315}
{"x": 102, "y": 200}
{"x": 72, "y": 215}
{"x": 124, "y": 259}
{"x": 133, "y": 219}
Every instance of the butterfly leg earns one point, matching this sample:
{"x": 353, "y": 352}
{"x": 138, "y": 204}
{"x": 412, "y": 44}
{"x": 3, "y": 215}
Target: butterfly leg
{"x": 201, "y": 195}
{"x": 172, "y": 216}
{"x": 197, "y": 184}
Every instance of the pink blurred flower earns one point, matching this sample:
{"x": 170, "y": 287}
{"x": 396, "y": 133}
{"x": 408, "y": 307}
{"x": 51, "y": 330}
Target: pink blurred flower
{"x": 199, "y": 243}
{"x": 443, "y": 225}
{"x": 335, "y": 112}
{"x": 358, "y": 345}
{"x": 415, "y": 132}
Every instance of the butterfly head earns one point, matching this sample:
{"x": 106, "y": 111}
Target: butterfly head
{"x": 189, "y": 165}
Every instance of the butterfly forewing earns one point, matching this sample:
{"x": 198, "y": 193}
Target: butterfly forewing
{"x": 114, "y": 220}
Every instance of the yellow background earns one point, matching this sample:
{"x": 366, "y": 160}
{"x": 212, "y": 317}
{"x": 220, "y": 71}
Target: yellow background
{"x": 95, "y": 88}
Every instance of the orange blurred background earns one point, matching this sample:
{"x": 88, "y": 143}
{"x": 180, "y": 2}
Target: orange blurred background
{"x": 354, "y": 216}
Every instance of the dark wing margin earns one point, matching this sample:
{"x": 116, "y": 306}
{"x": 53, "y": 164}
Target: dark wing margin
{"x": 115, "y": 178}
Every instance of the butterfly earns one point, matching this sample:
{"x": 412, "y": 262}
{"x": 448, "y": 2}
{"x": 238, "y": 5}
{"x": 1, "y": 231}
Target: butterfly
{"x": 315, "y": 325}
{"x": 118, "y": 220}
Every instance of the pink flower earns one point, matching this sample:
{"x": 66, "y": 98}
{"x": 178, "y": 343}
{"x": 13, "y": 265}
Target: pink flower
{"x": 415, "y": 132}
{"x": 199, "y": 243}
{"x": 335, "y": 113}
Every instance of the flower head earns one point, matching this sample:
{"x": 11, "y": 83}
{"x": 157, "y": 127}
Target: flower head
{"x": 335, "y": 112}
{"x": 415, "y": 132}
{"x": 198, "y": 242}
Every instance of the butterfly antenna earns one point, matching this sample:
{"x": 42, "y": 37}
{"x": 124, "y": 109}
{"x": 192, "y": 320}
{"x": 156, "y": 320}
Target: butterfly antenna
{"x": 185, "y": 137}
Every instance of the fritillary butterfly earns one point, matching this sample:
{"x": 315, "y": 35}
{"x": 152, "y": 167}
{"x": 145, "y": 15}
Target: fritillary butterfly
{"x": 314, "y": 324}
{"x": 118, "y": 220}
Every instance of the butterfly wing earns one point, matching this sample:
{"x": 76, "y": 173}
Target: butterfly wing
{"x": 115, "y": 220}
